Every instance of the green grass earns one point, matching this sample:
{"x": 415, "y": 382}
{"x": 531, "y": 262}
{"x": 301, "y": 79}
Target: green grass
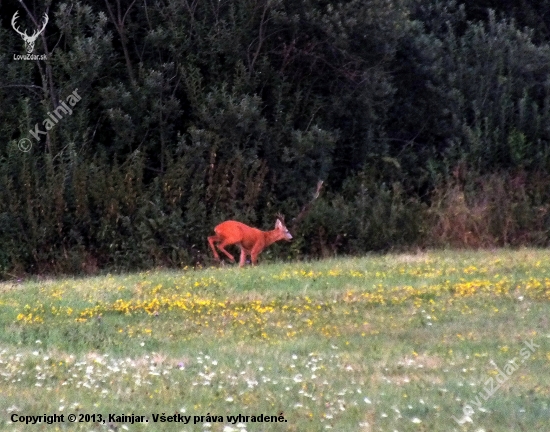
{"x": 380, "y": 343}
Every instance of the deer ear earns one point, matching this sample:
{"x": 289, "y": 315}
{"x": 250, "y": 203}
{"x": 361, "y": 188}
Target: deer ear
{"x": 278, "y": 224}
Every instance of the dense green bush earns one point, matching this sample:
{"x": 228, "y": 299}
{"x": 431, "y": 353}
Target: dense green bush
{"x": 427, "y": 121}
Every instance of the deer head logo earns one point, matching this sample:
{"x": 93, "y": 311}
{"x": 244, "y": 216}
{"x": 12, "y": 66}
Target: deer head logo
{"x": 29, "y": 40}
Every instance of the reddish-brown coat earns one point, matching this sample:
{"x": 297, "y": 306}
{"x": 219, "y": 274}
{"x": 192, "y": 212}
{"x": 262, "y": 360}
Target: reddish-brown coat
{"x": 251, "y": 240}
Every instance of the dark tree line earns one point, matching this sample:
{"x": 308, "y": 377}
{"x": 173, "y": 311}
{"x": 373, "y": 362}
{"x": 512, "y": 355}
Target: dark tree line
{"x": 429, "y": 122}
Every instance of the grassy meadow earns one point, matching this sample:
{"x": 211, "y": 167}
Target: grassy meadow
{"x": 441, "y": 341}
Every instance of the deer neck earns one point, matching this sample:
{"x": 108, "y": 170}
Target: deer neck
{"x": 272, "y": 236}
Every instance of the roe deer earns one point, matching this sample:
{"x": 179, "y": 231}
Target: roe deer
{"x": 251, "y": 240}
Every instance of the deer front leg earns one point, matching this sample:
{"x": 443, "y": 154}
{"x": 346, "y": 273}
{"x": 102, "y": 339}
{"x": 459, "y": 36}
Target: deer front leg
{"x": 254, "y": 255}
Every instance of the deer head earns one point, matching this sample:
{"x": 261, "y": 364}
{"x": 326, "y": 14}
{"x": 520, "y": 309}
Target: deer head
{"x": 280, "y": 226}
{"x": 29, "y": 40}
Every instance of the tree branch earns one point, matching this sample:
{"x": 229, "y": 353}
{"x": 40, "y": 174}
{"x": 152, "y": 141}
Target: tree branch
{"x": 306, "y": 208}
{"x": 119, "y": 23}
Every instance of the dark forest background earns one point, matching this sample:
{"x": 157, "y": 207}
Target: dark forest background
{"x": 429, "y": 122}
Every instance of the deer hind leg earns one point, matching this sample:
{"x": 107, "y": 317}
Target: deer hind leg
{"x": 244, "y": 253}
{"x": 221, "y": 248}
{"x": 211, "y": 241}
